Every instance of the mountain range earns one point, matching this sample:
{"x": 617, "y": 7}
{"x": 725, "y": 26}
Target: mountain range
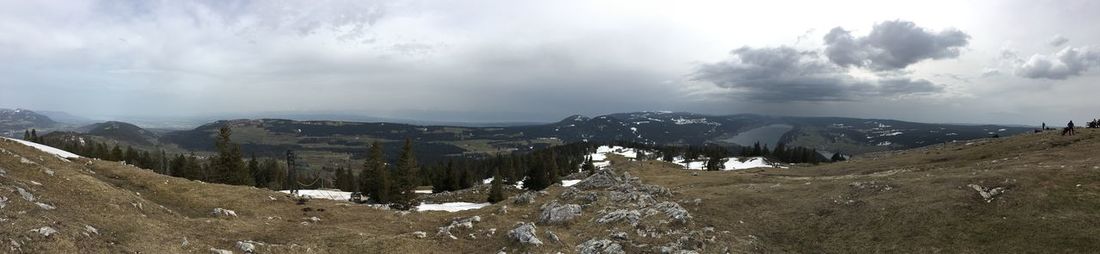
{"x": 342, "y": 142}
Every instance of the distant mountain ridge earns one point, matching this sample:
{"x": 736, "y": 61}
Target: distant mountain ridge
{"x": 838, "y": 134}
{"x": 14, "y": 121}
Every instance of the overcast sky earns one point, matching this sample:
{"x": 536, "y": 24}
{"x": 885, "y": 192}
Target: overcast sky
{"x": 932, "y": 61}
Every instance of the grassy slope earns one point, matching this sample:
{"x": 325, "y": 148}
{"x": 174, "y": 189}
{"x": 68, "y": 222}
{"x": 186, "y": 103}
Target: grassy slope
{"x": 927, "y": 208}
{"x": 1050, "y": 205}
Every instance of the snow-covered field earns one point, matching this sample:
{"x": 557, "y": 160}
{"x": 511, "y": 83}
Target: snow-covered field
{"x": 345, "y": 196}
{"x": 324, "y": 194}
{"x": 732, "y": 163}
{"x": 45, "y": 148}
{"x": 450, "y": 206}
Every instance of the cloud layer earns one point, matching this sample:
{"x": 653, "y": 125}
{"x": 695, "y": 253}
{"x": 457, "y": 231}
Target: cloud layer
{"x": 787, "y": 74}
{"x": 1066, "y": 63}
{"x": 892, "y": 45}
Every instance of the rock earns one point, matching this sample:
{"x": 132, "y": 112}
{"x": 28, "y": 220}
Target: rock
{"x": 44, "y": 206}
{"x": 525, "y": 198}
{"x": 622, "y": 236}
{"x": 552, "y": 236}
{"x": 524, "y": 233}
{"x": 674, "y": 211}
{"x": 45, "y": 231}
{"x": 600, "y": 180}
{"x": 314, "y": 219}
{"x": 503, "y": 209}
{"x": 604, "y": 246}
{"x": 639, "y": 199}
{"x": 585, "y": 197}
{"x": 3, "y": 202}
{"x": 26, "y": 194}
{"x": 223, "y": 212}
{"x": 420, "y": 234}
{"x": 630, "y": 216}
{"x": 988, "y": 194}
{"x": 553, "y": 213}
{"x": 467, "y": 223}
{"x": 220, "y": 251}
{"x": 90, "y": 229}
{"x": 246, "y": 247}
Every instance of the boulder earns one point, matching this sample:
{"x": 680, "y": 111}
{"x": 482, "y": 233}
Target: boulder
{"x": 630, "y": 216}
{"x": 223, "y": 212}
{"x": 987, "y": 194}
{"x": 603, "y": 246}
{"x": 674, "y": 211}
{"x": 524, "y": 233}
{"x": 600, "y": 180}
{"x": 554, "y": 213}
{"x": 525, "y": 198}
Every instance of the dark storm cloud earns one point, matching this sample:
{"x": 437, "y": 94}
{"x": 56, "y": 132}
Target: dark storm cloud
{"x": 892, "y": 45}
{"x": 1066, "y": 63}
{"x": 787, "y": 74}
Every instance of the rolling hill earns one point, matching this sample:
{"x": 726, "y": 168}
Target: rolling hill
{"x": 1021, "y": 194}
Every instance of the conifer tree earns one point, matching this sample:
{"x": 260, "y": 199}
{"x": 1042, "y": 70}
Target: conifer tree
{"x": 116, "y": 154}
{"x": 374, "y": 180}
{"x": 276, "y": 174}
{"x": 554, "y": 172}
{"x": 507, "y": 170}
{"x": 589, "y": 166}
{"x": 496, "y": 192}
{"x": 228, "y": 166}
{"x": 404, "y": 195}
{"x": 258, "y": 176}
{"x": 34, "y": 136}
{"x": 536, "y": 175}
{"x": 27, "y": 135}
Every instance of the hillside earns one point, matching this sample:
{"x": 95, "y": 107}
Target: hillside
{"x": 122, "y": 132}
{"x": 325, "y": 141}
{"x": 14, "y": 121}
{"x": 1040, "y": 196}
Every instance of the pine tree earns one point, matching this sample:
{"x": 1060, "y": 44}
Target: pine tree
{"x": 404, "y": 195}
{"x": 34, "y": 136}
{"x": 27, "y": 135}
{"x": 507, "y": 170}
{"x": 116, "y": 154}
{"x": 715, "y": 163}
{"x": 276, "y": 174}
{"x": 131, "y": 156}
{"x": 536, "y": 176}
{"x": 589, "y": 166}
{"x": 554, "y": 173}
{"x": 496, "y": 191}
{"x": 228, "y": 166}
{"x": 374, "y": 180}
{"x": 258, "y": 176}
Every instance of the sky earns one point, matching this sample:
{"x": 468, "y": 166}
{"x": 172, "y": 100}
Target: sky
{"x": 1007, "y": 62}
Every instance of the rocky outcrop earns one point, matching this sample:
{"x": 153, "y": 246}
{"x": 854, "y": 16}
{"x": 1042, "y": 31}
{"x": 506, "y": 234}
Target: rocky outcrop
{"x": 602, "y": 246}
{"x": 458, "y": 223}
{"x": 554, "y": 213}
{"x": 524, "y": 233}
{"x": 988, "y": 194}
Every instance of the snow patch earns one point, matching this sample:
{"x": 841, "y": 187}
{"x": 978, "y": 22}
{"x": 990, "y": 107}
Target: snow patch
{"x": 48, "y": 149}
{"x": 567, "y": 183}
{"x": 324, "y": 194}
{"x": 450, "y": 206}
{"x": 732, "y": 163}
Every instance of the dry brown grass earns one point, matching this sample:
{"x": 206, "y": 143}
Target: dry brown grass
{"x": 1050, "y": 206}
